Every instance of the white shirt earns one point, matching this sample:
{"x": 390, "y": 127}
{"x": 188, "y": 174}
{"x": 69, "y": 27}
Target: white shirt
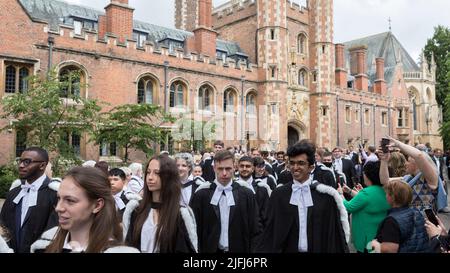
{"x": 301, "y": 197}
{"x": 186, "y": 192}
{"x": 226, "y": 200}
{"x": 338, "y": 164}
{"x": 148, "y": 235}
{"x": 29, "y": 195}
{"x": 72, "y": 245}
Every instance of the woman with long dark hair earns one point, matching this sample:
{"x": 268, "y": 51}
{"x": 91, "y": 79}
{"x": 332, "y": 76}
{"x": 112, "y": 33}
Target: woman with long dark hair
{"x": 157, "y": 223}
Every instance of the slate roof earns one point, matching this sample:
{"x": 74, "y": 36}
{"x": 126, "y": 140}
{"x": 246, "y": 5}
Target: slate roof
{"x": 59, "y": 12}
{"x": 384, "y": 45}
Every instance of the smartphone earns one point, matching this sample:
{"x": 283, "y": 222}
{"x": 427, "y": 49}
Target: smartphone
{"x": 384, "y": 145}
{"x": 432, "y": 217}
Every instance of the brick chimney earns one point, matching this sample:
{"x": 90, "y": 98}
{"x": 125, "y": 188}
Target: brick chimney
{"x": 204, "y": 40}
{"x": 358, "y": 61}
{"x": 341, "y": 73}
{"x": 118, "y": 20}
{"x": 380, "y": 83}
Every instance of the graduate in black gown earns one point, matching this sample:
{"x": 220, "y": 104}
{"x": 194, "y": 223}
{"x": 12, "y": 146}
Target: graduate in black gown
{"x": 29, "y": 210}
{"x": 189, "y": 183}
{"x": 260, "y": 188}
{"x": 117, "y": 178}
{"x": 157, "y": 223}
{"x": 305, "y": 216}
{"x": 208, "y": 165}
{"x": 225, "y": 211}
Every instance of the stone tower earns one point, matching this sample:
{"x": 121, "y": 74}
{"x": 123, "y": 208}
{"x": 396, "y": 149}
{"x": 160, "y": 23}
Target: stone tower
{"x": 426, "y": 114}
{"x": 186, "y": 14}
{"x": 272, "y": 59}
{"x": 322, "y": 62}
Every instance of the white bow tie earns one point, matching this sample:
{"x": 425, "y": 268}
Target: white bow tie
{"x": 228, "y": 190}
{"x": 26, "y": 189}
{"x": 301, "y": 195}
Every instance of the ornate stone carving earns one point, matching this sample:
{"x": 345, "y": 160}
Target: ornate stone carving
{"x": 298, "y": 107}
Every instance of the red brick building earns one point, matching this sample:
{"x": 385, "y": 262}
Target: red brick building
{"x": 270, "y": 65}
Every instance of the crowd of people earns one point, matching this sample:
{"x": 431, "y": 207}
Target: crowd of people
{"x": 306, "y": 199}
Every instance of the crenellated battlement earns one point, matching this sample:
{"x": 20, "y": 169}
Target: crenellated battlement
{"x": 229, "y": 9}
{"x": 297, "y": 7}
{"x": 110, "y": 44}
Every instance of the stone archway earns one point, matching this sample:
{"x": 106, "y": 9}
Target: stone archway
{"x": 293, "y": 136}
{"x": 296, "y": 131}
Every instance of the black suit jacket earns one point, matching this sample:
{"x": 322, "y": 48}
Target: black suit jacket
{"x": 349, "y": 170}
{"x": 244, "y": 226}
{"x": 39, "y": 218}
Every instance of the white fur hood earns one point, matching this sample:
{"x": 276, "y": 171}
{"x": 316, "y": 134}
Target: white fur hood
{"x": 340, "y": 205}
{"x": 4, "y": 248}
{"x": 44, "y": 241}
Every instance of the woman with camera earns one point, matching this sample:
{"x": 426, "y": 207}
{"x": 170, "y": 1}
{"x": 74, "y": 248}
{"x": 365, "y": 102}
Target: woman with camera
{"x": 421, "y": 175}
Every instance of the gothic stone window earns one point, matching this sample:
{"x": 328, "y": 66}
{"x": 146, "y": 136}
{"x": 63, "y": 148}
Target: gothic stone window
{"x": 72, "y": 77}
{"x": 229, "y": 100}
{"x": 16, "y": 78}
{"x": 73, "y": 141}
{"x": 251, "y": 103}
{"x": 205, "y": 98}
{"x": 348, "y": 114}
{"x": 146, "y": 91}
{"x": 302, "y": 44}
{"x": 384, "y": 118}
{"x": 402, "y": 120}
{"x": 367, "y": 116}
{"x": 177, "y": 94}
{"x": 108, "y": 149}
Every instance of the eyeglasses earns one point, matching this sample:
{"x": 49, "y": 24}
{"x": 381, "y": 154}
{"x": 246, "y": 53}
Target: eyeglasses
{"x": 299, "y": 163}
{"x": 27, "y": 161}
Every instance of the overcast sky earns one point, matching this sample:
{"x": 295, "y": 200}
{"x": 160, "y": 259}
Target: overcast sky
{"x": 413, "y": 21}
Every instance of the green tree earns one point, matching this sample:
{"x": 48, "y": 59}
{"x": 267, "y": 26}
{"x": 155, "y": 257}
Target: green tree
{"x": 439, "y": 46}
{"x": 46, "y": 117}
{"x": 194, "y": 134}
{"x": 135, "y": 126}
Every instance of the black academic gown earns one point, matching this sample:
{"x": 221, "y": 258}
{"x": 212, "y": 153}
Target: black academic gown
{"x": 194, "y": 187}
{"x": 325, "y": 233}
{"x": 39, "y": 218}
{"x": 324, "y": 175}
{"x": 262, "y": 200}
{"x": 244, "y": 226}
{"x": 182, "y": 242}
{"x": 208, "y": 170}
{"x": 285, "y": 177}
